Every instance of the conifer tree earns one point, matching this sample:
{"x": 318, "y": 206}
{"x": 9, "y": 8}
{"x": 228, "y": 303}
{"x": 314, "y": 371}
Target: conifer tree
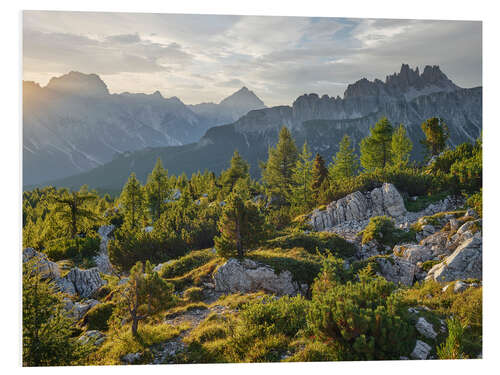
{"x": 70, "y": 210}
{"x": 302, "y": 197}
{"x": 240, "y": 226}
{"x": 436, "y": 134}
{"x": 238, "y": 169}
{"x": 401, "y": 147}
{"x": 319, "y": 179}
{"x": 48, "y": 338}
{"x": 278, "y": 170}
{"x": 376, "y": 148}
{"x": 345, "y": 163}
{"x": 133, "y": 203}
{"x": 158, "y": 190}
{"x": 144, "y": 294}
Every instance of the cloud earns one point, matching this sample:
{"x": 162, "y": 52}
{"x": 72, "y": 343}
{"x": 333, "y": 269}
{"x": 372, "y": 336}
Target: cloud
{"x": 205, "y": 58}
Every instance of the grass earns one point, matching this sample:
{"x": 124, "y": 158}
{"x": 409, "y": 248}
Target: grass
{"x": 436, "y": 220}
{"x": 423, "y": 201}
{"x": 187, "y": 263}
{"x": 196, "y": 276}
{"x": 303, "y": 266}
{"x": 122, "y": 342}
{"x": 314, "y": 242}
{"x": 183, "y": 308}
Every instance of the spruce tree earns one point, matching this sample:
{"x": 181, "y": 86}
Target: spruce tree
{"x": 302, "y": 198}
{"x": 376, "y": 148}
{"x": 240, "y": 226}
{"x": 319, "y": 180}
{"x": 436, "y": 134}
{"x": 238, "y": 169}
{"x": 133, "y": 204}
{"x": 345, "y": 163}
{"x": 48, "y": 335}
{"x": 278, "y": 170}
{"x": 401, "y": 147}
{"x": 158, "y": 190}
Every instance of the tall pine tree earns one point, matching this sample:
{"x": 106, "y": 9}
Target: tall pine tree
{"x": 240, "y": 226}
{"x": 133, "y": 204}
{"x": 376, "y": 148}
{"x": 345, "y": 163}
{"x": 158, "y": 190}
{"x": 401, "y": 147}
{"x": 278, "y": 170}
{"x": 319, "y": 180}
{"x": 302, "y": 198}
{"x": 436, "y": 134}
{"x": 238, "y": 169}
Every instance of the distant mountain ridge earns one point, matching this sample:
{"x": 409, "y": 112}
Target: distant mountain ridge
{"x": 74, "y": 124}
{"x": 322, "y": 121}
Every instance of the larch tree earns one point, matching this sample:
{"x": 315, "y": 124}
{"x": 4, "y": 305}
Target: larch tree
{"x": 133, "y": 204}
{"x": 241, "y": 227}
{"x": 401, "y": 147}
{"x": 319, "y": 179}
{"x": 238, "y": 169}
{"x": 345, "y": 163}
{"x": 376, "y": 148}
{"x": 302, "y": 197}
{"x": 158, "y": 190}
{"x": 278, "y": 170}
{"x": 436, "y": 134}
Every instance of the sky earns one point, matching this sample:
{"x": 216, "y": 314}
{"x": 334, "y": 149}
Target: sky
{"x": 205, "y": 58}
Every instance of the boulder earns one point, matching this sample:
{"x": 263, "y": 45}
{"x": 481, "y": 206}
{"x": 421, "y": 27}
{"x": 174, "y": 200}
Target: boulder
{"x": 94, "y": 336}
{"x": 46, "y": 268}
{"x": 82, "y": 282}
{"x": 78, "y": 309}
{"x": 131, "y": 358}
{"x": 247, "y": 276}
{"x": 102, "y": 259}
{"x": 357, "y": 206}
{"x": 464, "y": 263}
{"x": 425, "y": 328}
{"x": 421, "y": 350}
{"x": 396, "y": 270}
{"x": 460, "y": 286}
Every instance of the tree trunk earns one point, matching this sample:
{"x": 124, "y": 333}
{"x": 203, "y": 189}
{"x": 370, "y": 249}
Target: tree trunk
{"x": 135, "y": 322}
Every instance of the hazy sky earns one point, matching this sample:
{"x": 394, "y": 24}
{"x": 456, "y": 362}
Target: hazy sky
{"x": 202, "y": 58}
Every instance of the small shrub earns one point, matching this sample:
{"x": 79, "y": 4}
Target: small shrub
{"x": 475, "y": 201}
{"x": 75, "y": 249}
{"x": 186, "y": 263}
{"x": 452, "y": 347}
{"x": 194, "y": 294}
{"x": 382, "y": 230}
{"x": 428, "y": 264}
{"x": 97, "y": 317}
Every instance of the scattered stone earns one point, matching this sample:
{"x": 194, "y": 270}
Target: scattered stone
{"x": 460, "y": 286}
{"x": 131, "y": 358}
{"x": 246, "y": 276}
{"x": 396, "y": 270}
{"x": 46, "y": 268}
{"x": 464, "y": 263}
{"x": 97, "y": 337}
{"x": 82, "y": 282}
{"x": 425, "y": 328}
{"x": 421, "y": 350}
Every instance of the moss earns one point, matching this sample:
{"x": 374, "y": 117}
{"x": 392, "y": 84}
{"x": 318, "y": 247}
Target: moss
{"x": 427, "y": 265}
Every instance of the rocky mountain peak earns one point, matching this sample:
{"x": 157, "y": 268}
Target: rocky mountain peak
{"x": 408, "y": 83}
{"x": 80, "y": 84}
{"x": 243, "y": 98}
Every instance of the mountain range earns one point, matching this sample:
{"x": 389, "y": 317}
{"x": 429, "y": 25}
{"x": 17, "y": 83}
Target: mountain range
{"x": 407, "y": 97}
{"x": 74, "y": 124}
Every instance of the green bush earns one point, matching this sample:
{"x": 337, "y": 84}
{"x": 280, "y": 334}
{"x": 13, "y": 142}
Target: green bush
{"x": 382, "y": 230}
{"x": 187, "y": 263}
{"x": 475, "y": 201}
{"x": 452, "y": 348}
{"x": 97, "y": 317}
{"x": 67, "y": 248}
{"x": 365, "y": 320}
{"x": 313, "y": 242}
{"x": 194, "y": 294}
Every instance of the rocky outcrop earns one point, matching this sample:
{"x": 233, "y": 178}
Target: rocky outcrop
{"x": 421, "y": 350}
{"x": 77, "y": 310}
{"x": 357, "y": 206}
{"x": 465, "y": 262}
{"x": 396, "y": 270}
{"x": 46, "y": 268}
{"x": 102, "y": 258}
{"x": 94, "y": 336}
{"x": 246, "y": 276}
{"x": 82, "y": 282}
